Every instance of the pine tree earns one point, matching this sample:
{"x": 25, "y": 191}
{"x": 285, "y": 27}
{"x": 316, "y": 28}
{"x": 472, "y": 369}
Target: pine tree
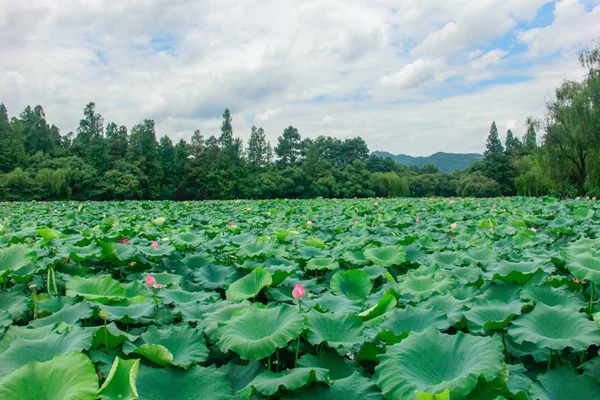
{"x": 512, "y": 145}
{"x": 226, "y": 138}
{"x": 530, "y": 138}
{"x": 12, "y": 149}
{"x": 289, "y": 146}
{"x": 495, "y": 163}
{"x": 259, "y": 150}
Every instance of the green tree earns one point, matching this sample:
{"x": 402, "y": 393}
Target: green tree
{"x": 226, "y": 138}
{"x": 389, "y": 184}
{"x": 12, "y": 148}
{"x": 117, "y": 139}
{"x": 90, "y": 143}
{"x": 512, "y": 145}
{"x": 530, "y": 137}
{"x": 495, "y": 163}
{"x": 289, "y": 146}
{"x": 143, "y": 153}
{"x": 259, "y": 151}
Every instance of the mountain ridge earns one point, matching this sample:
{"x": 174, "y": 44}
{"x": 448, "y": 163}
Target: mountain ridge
{"x": 445, "y": 162}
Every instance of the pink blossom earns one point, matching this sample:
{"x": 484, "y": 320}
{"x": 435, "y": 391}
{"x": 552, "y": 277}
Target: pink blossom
{"x": 478, "y": 204}
{"x": 576, "y": 280}
{"x": 155, "y": 245}
{"x": 355, "y": 222}
{"x": 150, "y": 281}
{"x": 298, "y": 292}
{"x": 230, "y": 223}
{"x": 532, "y": 229}
{"x": 309, "y": 223}
{"x": 417, "y": 219}
{"x": 123, "y": 240}
{"x": 451, "y": 202}
{"x": 494, "y": 207}
{"x": 453, "y": 225}
{"x": 553, "y": 212}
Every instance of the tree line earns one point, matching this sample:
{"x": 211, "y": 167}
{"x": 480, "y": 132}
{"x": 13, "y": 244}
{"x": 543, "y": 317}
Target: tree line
{"x": 110, "y": 162}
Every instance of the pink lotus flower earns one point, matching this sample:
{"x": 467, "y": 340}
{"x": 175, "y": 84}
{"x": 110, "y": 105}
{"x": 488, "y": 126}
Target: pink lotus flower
{"x": 150, "y": 281}
{"x": 309, "y": 223}
{"x": 417, "y": 219}
{"x": 451, "y": 201}
{"x": 155, "y": 245}
{"x": 453, "y": 225}
{"x": 123, "y": 240}
{"x": 355, "y": 222}
{"x": 493, "y": 208}
{"x": 553, "y": 212}
{"x": 532, "y": 229}
{"x": 230, "y": 223}
{"x": 298, "y": 292}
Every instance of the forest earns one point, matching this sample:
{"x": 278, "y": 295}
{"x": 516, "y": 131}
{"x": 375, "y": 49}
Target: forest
{"x": 557, "y": 155}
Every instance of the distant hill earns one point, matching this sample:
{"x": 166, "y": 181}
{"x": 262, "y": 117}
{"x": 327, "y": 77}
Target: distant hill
{"x": 446, "y": 162}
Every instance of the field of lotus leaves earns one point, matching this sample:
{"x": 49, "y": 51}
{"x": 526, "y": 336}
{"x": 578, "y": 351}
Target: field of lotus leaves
{"x": 300, "y": 299}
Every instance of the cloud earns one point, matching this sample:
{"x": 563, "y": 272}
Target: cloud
{"x": 412, "y": 76}
{"x": 573, "y": 27}
{"x": 491, "y": 58}
{"x": 268, "y": 114}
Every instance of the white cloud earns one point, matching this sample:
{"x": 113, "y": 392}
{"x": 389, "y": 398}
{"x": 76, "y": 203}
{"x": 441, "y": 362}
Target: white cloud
{"x": 573, "y": 27}
{"x": 400, "y": 73}
{"x": 267, "y": 115}
{"x": 413, "y": 75}
{"x": 491, "y": 58}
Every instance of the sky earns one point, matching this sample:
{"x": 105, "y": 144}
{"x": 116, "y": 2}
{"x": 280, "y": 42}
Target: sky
{"x": 408, "y": 76}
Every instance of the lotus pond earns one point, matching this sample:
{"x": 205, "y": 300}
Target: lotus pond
{"x": 395, "y": 299}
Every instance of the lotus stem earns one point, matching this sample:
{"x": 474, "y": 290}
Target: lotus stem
{"x": 505, "y": 348}
{"x": 592, "y": 298}
{"x": 297, "y": 347}
{"x": 581, "y": 357}
{"x": 550, "y": 361}
{"x": 277, "y": 358}
{"x": 269, "y": 363}
{"x": 105, "y": 335}
{"x": 155, "y": 306}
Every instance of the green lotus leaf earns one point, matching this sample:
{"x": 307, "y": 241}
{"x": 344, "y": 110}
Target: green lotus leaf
{"x": 583, "y": 213}
{"x": 79, "y": 253}
{"x": 445, "y": 395}
{"x": 69, "y": 377}
{"x": 465, "y": 275}
{"x": 336, "y": 365}
{"x": 552, "y": 296}
{"x": 585, "y": 266}
{"x": 128, "y": 313}
{"x": 214, "y": 314}
{"x": 48, "y": 233}
{"x": 34, "y": 347}
{"x": 354, "y": 284}
{"x": 387, "y": 256}
{"x": 355, "y": 386}
{"x": 163, "y": 250}
{"x": 118, "y": 251}
{"x": 214, "y": 276}
{"x": 519, "y": 272}
{"x": 334, "y": 304}
{"x": 15, "y": 257}
{"x": 355, "y": 257}
{"x": 111, "y": 336}
{"x": 120, "y": 382}
{"x": 445, "y": 258}
{"x": 592, "y": 369}
{"x": 179, "y": 297}
{"x": 14, "y": 303}
{"x": 268, "y": 383}
{"x": 249, "y": 286}
{"x": 339, "y": 331}
{"x": 6, "y": 319}
{"x": 487, "y": 316}
{"x": 309, "y": 252}
{"x": 156, "y": 353}
{"x": 564, "y": 384}
{"x": 185, "y": 346}
{"x": 387, "y": 302}
{"x": 197, "y": 261}
{"x": 187, "y": 239}
{"x": 322, "y": 263}
{"x": 447, "y": 304}
{"x": 482, "y": 255}
{"x": 256, "y": 249}
{"x": 518, "y": 383}
{"x": 432, "y": 362}
{"x": 177, "y": 384}
{"x": 555, "y": 328}
{"x": 254, "y": 340}
{"x": 102, "y": 290}
{"x": 20, "y": 332}
{"x": 69, "y": 314}
{"x": 499, "y": 291}
{"x": 401, "y": 322}
{"x": 424, "y": 282}
{"x": 241, "y": 375}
